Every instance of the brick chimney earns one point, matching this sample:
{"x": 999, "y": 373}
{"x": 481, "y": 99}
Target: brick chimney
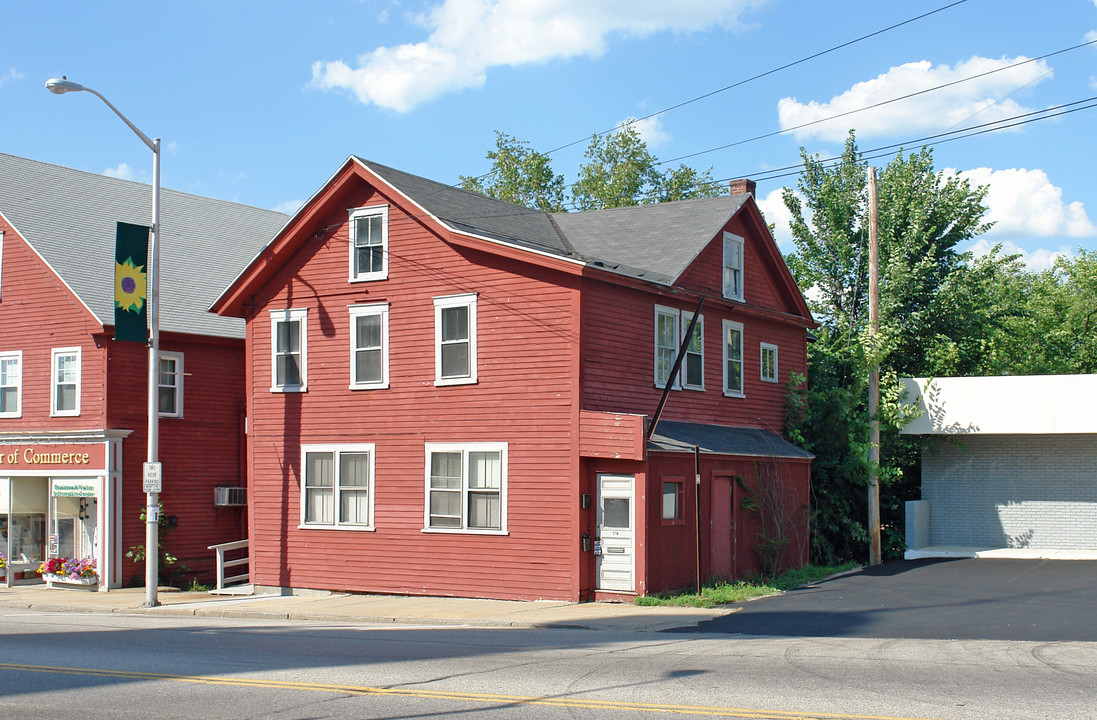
{"x": 743, "y": 185}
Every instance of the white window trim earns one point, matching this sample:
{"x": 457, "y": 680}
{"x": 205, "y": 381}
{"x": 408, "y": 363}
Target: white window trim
{"x": 687, "y": 316}
{"x": 450, "y": 301}
{"x": 465, "y": 449}
{"x": 732, "y": 239}
{"x": 17, "y": 355}
{"x": 355, "y": 213}
{"x": 54, "y": 412}
{"x": 676, "y": 314}
{"x": 178, "y": 358}
{"x": 357, "y": 311}
{"x": 291, "y": 315}
{"x": 762, "y": 348}
{"x": 336, "y": 450}
{"x": 725, "y": 326}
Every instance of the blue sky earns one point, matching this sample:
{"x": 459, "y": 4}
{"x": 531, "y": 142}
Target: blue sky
{"x": 260, "y": 102}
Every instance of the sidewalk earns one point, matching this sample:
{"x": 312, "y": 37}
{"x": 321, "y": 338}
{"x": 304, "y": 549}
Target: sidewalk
{"x": 336, "y": 607}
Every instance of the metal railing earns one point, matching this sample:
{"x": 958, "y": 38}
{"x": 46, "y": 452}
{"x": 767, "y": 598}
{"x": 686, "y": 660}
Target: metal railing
{"x": 223, "y": 564}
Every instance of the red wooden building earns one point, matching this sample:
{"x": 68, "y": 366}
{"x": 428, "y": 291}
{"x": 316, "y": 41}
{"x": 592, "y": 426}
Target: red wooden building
{"x": 451, "y": 395}
{"x": 73, "y": 401}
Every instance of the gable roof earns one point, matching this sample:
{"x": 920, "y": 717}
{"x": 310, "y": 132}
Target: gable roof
{"x": 68, "y": 217}
{"x": 654, "y": 243}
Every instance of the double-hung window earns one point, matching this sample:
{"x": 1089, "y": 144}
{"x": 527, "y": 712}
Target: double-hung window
{"x": 11, "y": 383}
{"x": 455, "y": 339}
{"x": 466, "y": 487}
{"x": 369, "y": 243}
{"x": 769, "y": 362}
{"x": 289, "y": 350}
{"x": 671, "y": 326}
{"x": 338, "y": 487}
{"x": 65, "y": 382}
{"x": 170, "y": 391}
{"x": 666, "y": 344}
{"x": 369, "y": 348}
{"x": 733, "y": 266}
{"x": 693, "y": 364}
{"x": 733, "y": 358}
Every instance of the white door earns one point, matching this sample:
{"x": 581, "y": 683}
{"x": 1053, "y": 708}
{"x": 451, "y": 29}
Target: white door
{"x": 616, "y": 533}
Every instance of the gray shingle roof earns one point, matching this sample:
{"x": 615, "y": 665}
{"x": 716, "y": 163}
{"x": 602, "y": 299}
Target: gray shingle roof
{"x": 69, "y": 217}
{"x": 677, "y": 436}
{"x": 474, "y": 213}
{"x": 653, "y": 242}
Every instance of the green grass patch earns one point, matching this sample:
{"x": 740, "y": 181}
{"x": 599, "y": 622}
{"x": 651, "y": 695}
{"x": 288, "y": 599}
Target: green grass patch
{"x": 721, "y": 593}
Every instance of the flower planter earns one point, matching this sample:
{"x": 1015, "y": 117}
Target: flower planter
{"x": 63, "y": 580}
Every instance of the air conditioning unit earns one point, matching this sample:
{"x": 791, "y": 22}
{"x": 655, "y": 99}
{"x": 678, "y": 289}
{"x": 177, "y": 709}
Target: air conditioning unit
{"x": 230, "y": 496}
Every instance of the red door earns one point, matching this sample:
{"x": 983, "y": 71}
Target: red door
{"x": 722, "y": 530}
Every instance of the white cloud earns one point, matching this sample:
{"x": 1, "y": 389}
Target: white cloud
{"x": 122, "y": 172}
{"x": 775, "y": 212}
{"x": 930, "y": 112}
{"x": 11, "y": 74}
{"x": 1035, "y": 261}
{"x": 468, "y": 37}
{"x": 651, "y": 131}
{"x": 1024, "y": 203}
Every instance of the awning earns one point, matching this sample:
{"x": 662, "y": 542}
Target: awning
{"x": 676, "y": 436}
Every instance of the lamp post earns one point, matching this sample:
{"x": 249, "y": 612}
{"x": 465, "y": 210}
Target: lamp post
{"x": 60, "y": 86}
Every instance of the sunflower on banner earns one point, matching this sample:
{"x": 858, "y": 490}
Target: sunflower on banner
{"x": 130, "y": 282}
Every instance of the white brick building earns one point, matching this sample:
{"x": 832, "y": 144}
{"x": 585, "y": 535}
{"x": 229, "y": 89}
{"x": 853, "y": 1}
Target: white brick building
{"x": 1009, "y": 466}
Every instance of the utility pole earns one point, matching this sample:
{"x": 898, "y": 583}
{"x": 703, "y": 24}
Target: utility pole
{"x": 874, "y": 374}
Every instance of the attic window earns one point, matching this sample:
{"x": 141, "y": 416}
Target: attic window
{"x": 733, "y": 266}
{"x": 369, "y": 243}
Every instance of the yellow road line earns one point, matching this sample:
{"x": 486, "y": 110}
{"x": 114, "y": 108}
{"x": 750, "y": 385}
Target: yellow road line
{"x": 454, "y": 695}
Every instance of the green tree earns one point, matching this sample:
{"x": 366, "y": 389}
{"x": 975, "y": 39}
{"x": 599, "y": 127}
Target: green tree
{"x": 923, "y": 216}
{"x": 519, "y": 175}
{"x": 1055, "y": 331}
{"x": 620, "y": 171}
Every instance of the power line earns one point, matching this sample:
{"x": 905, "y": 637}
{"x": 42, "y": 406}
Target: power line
{"x": 875, "y": 105}
{"x": 759, "y": 76}
{"x": 996, "y": 125}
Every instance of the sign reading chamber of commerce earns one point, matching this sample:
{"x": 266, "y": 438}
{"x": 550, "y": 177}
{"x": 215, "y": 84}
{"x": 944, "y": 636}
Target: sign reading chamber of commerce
{"x": 53, "y": 457}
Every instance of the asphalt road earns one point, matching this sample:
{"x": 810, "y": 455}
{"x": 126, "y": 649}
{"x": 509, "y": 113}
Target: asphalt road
{"x": 107, "y": 667}
{"x": 965, "y": 599}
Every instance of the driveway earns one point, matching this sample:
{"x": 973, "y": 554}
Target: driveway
{"x": 963, "y": 599}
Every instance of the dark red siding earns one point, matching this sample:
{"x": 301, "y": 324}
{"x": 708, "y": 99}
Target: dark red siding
{"x": 38, "y": 314}
{"x": 200, "y": 450}
{"x": 673, "y": 558}
{"x": 619, "y": 360}
{"x": 525, "y": 396}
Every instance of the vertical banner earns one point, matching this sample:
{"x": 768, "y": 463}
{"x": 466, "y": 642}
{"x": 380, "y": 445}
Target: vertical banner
{"x": 130, "y": 283}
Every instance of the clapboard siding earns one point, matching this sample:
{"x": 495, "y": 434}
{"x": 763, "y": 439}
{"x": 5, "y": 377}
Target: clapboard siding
{"x": 524, "y": 396}
{"x": 199, "y": 451}
{"x": 619, "y": 360}
{"x": 37, "y": 314}
{"x": 761, "y": 266}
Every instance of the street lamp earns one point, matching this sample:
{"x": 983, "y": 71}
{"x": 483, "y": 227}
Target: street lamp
{"x": 60, "y": 86}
